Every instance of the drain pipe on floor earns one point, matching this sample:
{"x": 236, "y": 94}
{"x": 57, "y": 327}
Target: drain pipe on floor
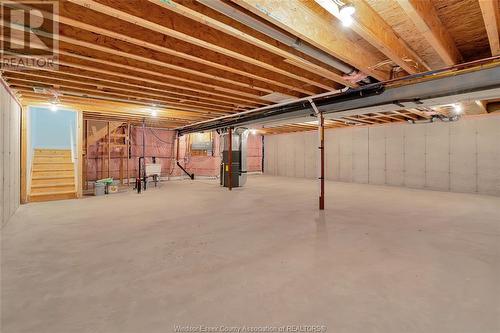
{"x": 191, "y": 175}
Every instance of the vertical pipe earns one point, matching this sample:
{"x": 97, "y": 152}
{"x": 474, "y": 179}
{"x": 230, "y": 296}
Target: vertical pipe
{"x": 144, "y": 146}
{"x": 321, "y": 132}
{"x": 127, "y": 142}
{"x": 230, "y": 159}
{"x": 177, "y": 152}
{"x": 109, "y": 149}
{"x": 85, "y": 143}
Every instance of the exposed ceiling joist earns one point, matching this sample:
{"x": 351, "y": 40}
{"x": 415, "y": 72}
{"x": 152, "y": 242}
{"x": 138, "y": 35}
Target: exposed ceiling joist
{"x": 155, "y": 42}
{"x": 425, "y": 18}
{"x": 491, "y": 17}
{"x": 292, "y": 58}
{"x": 368, "y": 24}
{"x": 310, "y": 22}
{"x": 185, "y": 31}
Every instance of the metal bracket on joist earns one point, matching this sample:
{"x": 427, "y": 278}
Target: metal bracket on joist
{"x": 315, "y": 108}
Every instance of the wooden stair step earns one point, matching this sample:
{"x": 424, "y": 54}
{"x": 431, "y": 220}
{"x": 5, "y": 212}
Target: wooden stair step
{"x": 53, "y": 185}
{"x": 53, "y": 166}
{"x": 52, "y": 189}
{"x": 51, "y": 162}
{"x": 53, "y": 192}
{"x": 48, "y": 196}
{"x": 51, "y": 171}
{"x": 52, "y": 177}
{"x": 53, "y": 151}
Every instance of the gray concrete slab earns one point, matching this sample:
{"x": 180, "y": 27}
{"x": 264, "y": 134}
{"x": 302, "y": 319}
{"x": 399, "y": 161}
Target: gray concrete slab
{"x": 380, "y": 259}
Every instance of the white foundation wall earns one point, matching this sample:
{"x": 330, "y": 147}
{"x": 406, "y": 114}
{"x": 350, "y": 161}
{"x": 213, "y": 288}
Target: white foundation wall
{"x": 462, "y": 156}
{"x": 10, "y": 146}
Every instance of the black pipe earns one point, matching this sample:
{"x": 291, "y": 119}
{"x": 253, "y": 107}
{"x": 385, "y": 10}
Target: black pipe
{"x": 303, "y": 105}
{"x": 191, "y": 175}
{"x": 138, "y": 182}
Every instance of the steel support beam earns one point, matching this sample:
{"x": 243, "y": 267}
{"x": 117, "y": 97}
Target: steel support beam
{"x": 425, "y": 89}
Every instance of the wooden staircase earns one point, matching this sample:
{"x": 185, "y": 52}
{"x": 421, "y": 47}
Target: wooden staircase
{"x": 52, "y": 175}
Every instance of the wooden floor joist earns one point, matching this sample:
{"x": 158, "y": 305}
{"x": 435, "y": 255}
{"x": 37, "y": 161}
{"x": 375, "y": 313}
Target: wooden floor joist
{"x": 198, "y": 62}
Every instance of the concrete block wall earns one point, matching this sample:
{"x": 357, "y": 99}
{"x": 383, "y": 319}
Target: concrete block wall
{"x": 10, "y": 146}
{"x": 461, "y": 156}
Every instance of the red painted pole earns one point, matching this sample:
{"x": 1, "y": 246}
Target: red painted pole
{"x": 321, "y": 129}
{"x": 230, "y": 159}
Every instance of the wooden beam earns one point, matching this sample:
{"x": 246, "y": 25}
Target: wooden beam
{"x": 109, "y": 107}
{"x": 491, "y": 17}
{"x": 44, "y": 81}
{"x": 146, "y": 62}
{"x": 223, "y": 44}
{"x": 371, "y": 26}
{"x": 157, "y": 42}
{"x": 98, "y": 78}
{"x": 425, "y": 18}
{"x": 104, "y": 111}
{"x": 69, "y": 90}
{"x": 230, "y": 30}
{"x": 308, "y": 21}
{"x": 99, "y": 82}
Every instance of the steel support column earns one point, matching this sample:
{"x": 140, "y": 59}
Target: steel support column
{"x": 321, "y": 147}
{"x": 321, "y": 155}
{"x": 230, "y": 159}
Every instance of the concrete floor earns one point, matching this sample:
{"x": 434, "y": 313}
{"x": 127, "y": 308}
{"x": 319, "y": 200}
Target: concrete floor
{"x": 380, "y": 259}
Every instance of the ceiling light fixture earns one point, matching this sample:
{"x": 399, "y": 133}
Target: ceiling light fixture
{"x": 54, "y": 105}
{"x": 347, "y": 10}
{"x": 339, "y": 9}
{"x": 458, "y": 108}
{"x": 154, "y": 113}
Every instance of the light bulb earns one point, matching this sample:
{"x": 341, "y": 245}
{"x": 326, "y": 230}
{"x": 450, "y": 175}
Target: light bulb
{"x": 347, "y": 11}
{"x": 53, "y": 107}
{"x": 458, "y": 108}
{"x": 347, "y": 21}
{"x": 154, "y": 113}
{"x": 253, "y": 131}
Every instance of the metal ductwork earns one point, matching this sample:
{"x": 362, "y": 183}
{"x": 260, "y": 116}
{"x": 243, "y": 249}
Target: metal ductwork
{"x": 238, "y": 163}
{"x": 429, "y": 89}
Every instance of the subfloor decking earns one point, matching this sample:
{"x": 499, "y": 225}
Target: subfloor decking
{"x": 380, "y": 259}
